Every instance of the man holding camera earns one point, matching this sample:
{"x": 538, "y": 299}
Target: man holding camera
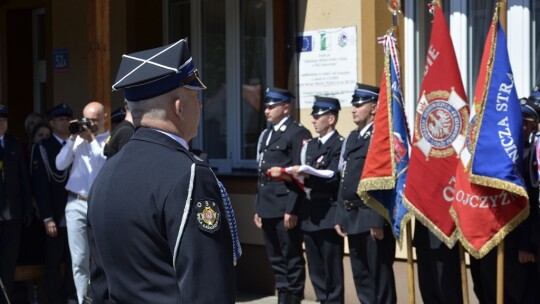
{"x": 84, "y": 153}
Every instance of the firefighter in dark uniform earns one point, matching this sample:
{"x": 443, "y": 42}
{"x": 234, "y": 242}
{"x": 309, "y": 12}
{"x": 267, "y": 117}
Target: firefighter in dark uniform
{"x": 324, "y": 247}
{"x": 279, "y": 199}
{"x": 160, "y": 223}
{"x": 15, "y": 203}
{"x": 534, "y": 101}
{"x": 520, "y": 277}
{"x": 48, "y": 184}
{"x": 371, "y": 244}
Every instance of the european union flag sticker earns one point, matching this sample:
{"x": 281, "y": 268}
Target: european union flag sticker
{"x": 304, "y": 43}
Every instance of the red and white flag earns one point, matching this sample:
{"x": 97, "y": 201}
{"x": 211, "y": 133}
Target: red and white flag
{"x": 440, "y": 131}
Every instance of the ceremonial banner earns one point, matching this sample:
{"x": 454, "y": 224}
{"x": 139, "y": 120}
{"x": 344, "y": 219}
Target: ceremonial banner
{"x": 440, "y": 130}
{"x": 490, "y": 198}
{"x": 385, "y": 169}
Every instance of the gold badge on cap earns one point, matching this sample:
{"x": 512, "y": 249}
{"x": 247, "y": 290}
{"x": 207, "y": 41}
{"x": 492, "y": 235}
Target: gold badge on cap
{"x": 208, "y": 215}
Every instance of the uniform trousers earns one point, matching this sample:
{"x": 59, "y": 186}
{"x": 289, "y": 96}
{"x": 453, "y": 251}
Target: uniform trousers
{"x": 324, "y": 250}
{"x": 76, "y": 211}
{"x": 10, "y": 238}
{"x": 439, "y": 274}
{"x": 57, "y": 286}
{"x": 520, "y": 280}
{"x": 284, "y": 250}
{"x": 371, "y": 263}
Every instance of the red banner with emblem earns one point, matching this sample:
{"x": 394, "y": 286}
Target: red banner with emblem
{"x": 441, "y": 121}
{"x": 490, "y": 198}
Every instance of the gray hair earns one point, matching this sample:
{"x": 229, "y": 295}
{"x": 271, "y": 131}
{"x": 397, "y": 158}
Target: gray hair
{"x": 153, "y": 108}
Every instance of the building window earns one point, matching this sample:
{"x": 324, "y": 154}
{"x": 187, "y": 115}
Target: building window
{"x": 231, "y": 49}
{"x": 480, "y": 14}
{"x": 213, "y": 58}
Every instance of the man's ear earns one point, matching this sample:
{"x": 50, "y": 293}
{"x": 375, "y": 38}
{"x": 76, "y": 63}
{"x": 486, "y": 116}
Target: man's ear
{"x": 178, "y": 107}
{"x": 286, "y": 108}
{"x": 332, "y": 119}
{"x": 373, "y": 108}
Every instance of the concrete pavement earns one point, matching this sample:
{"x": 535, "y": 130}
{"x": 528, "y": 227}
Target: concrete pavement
{"x": 400, "y": 271}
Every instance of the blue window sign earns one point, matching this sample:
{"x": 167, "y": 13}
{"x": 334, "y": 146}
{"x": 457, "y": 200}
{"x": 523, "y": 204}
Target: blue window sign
{"x": 60, "y": 60}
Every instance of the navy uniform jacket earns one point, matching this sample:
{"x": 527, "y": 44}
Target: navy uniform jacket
{"x": 135, "y": 211}
{"x": 356, "y": 220}
{"x": 275, "y": 198}
{"x": 49, "y": 183}
{"x": 320, "y": 206}
{"x": 119, "y": 137}
{"x": 15, "y": 183}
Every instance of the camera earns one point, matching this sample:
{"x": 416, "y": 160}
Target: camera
{"x": 76, "y": 127}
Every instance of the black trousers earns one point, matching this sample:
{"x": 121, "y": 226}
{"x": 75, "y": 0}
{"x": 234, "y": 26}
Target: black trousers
{"x": 10, "y": 238}
{"x": 324, "y": 250}
{"x": 439, "y": 276}
{"x": 284, "y": 250}
{"x": 520, "y": 280}
{"x": 58, "y": 286}
{"x": 371, "y": 262}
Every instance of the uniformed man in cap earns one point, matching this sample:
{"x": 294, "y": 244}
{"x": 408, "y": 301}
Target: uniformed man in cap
{"x": 324, "y": 247}
{"x": 121, "y": 134}
{"x": 371, "y": 244}
{"x": 161, "y": 226}
{"x": 48, "y": 184}
{"x": 534, "y": 102}
{"x": 279, "y": 199}
{"x": 520, "y": 279}
{"x": 15, "y": 202}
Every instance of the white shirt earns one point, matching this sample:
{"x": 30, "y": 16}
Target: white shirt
{"x": 59, "y": 139}
{"x": 364, "y": 130}
{"x": 325, "y": 138}
{"x": 177, "y": 138}
{"x": 86, "y": 159}
{"x": 276, "y": 127}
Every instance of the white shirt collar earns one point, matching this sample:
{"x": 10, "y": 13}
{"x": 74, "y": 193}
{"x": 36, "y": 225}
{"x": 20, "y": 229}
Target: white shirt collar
{"x": 364, "y": 130}
{"x": 326, "y": 137}
{"x": 177, "y": 138}
{"x": 279, "y": 124}
{"x": 59, "y": 139}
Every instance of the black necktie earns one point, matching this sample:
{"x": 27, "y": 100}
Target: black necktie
{"x": 64, "y": 143}
{"x": 319, "y": 143}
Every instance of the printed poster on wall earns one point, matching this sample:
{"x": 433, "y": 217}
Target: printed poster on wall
{"x": 327, "y": 65}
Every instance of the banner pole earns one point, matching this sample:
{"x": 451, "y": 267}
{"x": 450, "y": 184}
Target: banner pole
{"x": 500, "y": 273}
{"x": 410, "y": 264}
{"x": 464, "y": 281}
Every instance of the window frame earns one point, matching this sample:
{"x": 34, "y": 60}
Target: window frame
{"x": 521, "y": 40}
{"x": 233, "y": 161}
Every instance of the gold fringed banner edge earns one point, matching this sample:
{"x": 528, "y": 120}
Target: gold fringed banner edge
{"x": 404, "y": 221}
{"x": 449, "y": 241}
{"x": 496, "y": 183}
{"x": 372, "y": 184}
{"x": 495, "y": 240}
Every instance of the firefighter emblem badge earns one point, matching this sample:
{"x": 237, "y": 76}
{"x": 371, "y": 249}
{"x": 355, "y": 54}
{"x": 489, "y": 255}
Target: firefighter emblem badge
{"x": 441, "y": 124}
{"x": 208, "y": 215}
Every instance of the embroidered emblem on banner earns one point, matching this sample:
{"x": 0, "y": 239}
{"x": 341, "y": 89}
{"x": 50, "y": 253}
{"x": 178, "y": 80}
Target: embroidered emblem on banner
{"x": 441, "y": 126}
{"x": 208, "y": 215}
